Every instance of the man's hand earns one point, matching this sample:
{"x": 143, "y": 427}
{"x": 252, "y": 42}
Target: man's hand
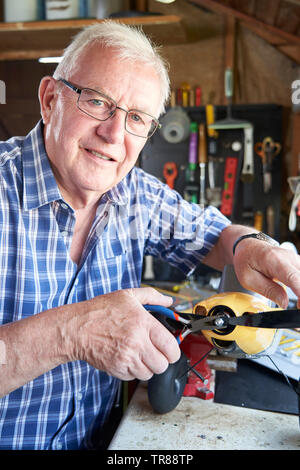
{"x": 260, "y": 267}
{"x": 114, "y": 333}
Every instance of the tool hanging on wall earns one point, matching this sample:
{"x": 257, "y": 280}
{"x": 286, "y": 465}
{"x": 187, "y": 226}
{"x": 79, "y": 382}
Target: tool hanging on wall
{"x": 170, "y": 173}
{"x": 230, "y": 175}
{"x": 202, "y": 159}
{"x": 294, "y": 183}
{"x": 192, "y": 188}
{"x": 270, "y": 219}
{"x": 267, "y": 150}
{"x": 185, "y": 90}
{"x": 175, "y": 125}
{"x": 258, "y": 221}
{"x": 198, "y": 96}
{"x": 230, "y": 123}
{"x": 247, "y": 175}
{"x": 213, "y": 192}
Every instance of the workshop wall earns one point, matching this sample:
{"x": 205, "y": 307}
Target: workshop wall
{"x": 263, "y": 75}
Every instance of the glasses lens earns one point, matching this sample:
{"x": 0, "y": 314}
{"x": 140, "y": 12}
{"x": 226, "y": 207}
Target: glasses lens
{"x": 141, "y": 124}
{"x": 95, "y": 104}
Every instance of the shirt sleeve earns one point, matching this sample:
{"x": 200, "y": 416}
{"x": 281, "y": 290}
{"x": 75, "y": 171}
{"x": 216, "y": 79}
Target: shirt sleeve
{"x": 180, "y": 232}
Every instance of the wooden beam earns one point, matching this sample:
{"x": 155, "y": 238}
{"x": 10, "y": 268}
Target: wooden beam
{"x": 292, "y": 51}
{"x": 229, "y": 52}
{"x": 24, "y": 40}
{"x": 31, "y": 54}
{"x": 141, "y": 5}
{"x": 219, "y": 8}
{"x": 81, "y": 23}
{"x": 267, "y": 11}
{"x": 271, "y": 38}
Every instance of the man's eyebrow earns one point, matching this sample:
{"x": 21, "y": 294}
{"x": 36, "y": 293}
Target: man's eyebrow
{"x": 102, "y": 91}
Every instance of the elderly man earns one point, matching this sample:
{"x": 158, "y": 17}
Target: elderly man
{"x": 77, "y": 218}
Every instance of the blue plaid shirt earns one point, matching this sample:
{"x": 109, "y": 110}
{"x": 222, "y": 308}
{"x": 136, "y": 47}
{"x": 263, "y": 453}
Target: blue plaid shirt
{"x": 63, "y": 408}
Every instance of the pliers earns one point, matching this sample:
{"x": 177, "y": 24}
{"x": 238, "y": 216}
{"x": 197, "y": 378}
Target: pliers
{"x": 192, "y": 323}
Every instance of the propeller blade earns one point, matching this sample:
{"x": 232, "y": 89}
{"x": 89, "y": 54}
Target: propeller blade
{"x": 271, "y": 319}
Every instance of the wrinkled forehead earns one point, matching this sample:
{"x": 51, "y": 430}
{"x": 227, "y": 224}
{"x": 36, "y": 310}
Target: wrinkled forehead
{"x": 103, "y": 69}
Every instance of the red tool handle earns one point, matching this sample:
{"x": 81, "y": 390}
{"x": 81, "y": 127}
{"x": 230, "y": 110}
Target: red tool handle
{"x": 229, "y": 185}
{"x": 170, "y": 173}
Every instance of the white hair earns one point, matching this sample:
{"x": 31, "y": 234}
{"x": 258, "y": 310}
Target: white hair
{"x": 131, "y": 44}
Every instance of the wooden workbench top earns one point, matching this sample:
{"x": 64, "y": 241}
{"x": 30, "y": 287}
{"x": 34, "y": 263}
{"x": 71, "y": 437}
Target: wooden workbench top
{"x": 203, "y": 425}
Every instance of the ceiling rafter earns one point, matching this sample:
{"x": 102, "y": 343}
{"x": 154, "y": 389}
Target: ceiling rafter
{"x": 280, "y": 27}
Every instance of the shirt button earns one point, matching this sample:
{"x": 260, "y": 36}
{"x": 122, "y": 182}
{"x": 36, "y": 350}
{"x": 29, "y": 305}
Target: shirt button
{"x": 79, "y": 396}
{"x": 76, "y": 282}
{"x": 64, "y": 233}
{"x": 64, "y": 206}
{"x": 59, "y": 446}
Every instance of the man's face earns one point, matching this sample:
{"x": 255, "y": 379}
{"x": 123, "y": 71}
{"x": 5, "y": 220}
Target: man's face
{"x": 89, "y": 157}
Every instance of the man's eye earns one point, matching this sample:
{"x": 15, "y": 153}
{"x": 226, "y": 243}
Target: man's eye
{"x": 136, "y": 118}
{"x": 98, "y": 103}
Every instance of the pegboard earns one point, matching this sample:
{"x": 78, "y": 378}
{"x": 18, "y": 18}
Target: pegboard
{"x": 250, "y": 203}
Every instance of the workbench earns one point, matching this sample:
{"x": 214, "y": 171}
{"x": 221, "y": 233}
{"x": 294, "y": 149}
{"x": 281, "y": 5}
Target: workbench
{"x": 198, "y": 424}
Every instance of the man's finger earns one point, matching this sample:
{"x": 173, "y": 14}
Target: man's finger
{"x": 149, "y": 295}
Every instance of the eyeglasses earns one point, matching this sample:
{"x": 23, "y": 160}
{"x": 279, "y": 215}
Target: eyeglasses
{"x": 102, "y": 107}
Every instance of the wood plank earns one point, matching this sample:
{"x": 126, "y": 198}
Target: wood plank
{"x": 81, "y": 23}
{"x": 24, "y": 40}
{"x": 267, "y": 11}
{"x": 248, "y": 7}
{"x": 294, "y": 2}
{"x": 292, "y": 51}
{"x": 219, "y": 8}
{"x": 288, "y": 18}
{"x": 31, "y": 54}
{"x": 271, "y": 38}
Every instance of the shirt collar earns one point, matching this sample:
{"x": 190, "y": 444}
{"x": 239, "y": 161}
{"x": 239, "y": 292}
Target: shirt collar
{"x": 40, "y": 186}
{"x": 119, "y": 194}
{"x": 39, "y": 183}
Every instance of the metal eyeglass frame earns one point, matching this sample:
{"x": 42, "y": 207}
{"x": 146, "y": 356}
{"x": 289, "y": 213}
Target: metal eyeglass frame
{"x": 79, "y": 91}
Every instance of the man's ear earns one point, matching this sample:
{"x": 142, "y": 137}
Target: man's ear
{"x": 47, "y": 96}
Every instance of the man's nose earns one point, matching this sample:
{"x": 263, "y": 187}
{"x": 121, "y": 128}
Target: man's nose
{"x": 113, "y": 129}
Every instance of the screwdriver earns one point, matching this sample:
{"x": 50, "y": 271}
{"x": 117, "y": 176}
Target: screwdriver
{"x": 202, "y": 159}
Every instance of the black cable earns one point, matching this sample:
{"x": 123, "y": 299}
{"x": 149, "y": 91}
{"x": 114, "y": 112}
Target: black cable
{"x": 196, "y": 363}
{"x": 286, "y": 378}
{"x": 296, "y": 390}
